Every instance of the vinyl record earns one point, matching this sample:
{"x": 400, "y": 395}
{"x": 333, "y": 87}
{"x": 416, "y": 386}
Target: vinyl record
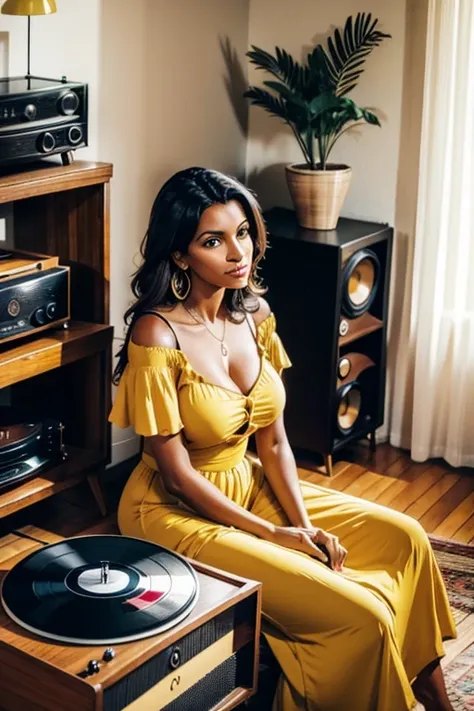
{"x": 100, "y": 590}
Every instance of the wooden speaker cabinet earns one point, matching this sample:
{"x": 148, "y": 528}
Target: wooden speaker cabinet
{"x": 207, "y": 661}
{"x": 329, "y": 290}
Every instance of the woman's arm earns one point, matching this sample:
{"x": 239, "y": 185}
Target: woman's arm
{"x": 188, "y": 485}
{"x": 279, "y": 465}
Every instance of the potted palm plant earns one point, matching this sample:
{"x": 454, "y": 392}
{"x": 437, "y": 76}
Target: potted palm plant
{"x": 311, "y": 98}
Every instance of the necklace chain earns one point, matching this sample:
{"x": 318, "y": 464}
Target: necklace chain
{"x": 201, "y": 321}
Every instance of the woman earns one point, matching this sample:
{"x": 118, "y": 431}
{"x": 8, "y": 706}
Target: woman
{"x": 199, "y": 373}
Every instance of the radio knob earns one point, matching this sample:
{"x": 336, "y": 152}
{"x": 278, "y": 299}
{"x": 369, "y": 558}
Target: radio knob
{"x": 38, "y": 317}
{"x": 68, "y": 103}
{"x": 30, "y": 111}
{"x": 74, "y": 135}
{"x": 51, "y": 310}
{"x": 47, "y": 142}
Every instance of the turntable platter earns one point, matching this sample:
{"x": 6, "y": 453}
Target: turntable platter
{"x": 100, "y": 590}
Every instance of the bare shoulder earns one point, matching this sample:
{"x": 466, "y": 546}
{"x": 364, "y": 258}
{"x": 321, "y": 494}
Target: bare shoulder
{"x": 262, "y": 312}
{"x": 152, "y": 331}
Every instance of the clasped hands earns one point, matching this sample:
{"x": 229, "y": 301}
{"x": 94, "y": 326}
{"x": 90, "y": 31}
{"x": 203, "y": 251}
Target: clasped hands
{"x": 306, "y": 539}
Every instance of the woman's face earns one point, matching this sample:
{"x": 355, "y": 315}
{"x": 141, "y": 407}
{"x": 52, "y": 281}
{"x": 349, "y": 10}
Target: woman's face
{"x": 221, "y": 251}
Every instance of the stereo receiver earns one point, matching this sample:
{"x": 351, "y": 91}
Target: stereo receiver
{"x": 40, "y": 117}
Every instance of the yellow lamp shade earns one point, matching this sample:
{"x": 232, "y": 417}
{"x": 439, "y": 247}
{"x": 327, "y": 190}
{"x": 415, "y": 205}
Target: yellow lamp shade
{"x": 28, "y": 7}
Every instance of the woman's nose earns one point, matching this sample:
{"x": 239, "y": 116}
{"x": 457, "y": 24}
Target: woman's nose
{"x": 235, "y": 252}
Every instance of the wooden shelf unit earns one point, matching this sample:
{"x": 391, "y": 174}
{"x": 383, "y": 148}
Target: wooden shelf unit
{"x": 64, "y": 373}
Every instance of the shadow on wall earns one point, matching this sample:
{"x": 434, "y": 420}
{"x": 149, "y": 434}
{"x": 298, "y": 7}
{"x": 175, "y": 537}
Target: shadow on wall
{"x": 235, "y": 83}
{"x": 270, "y": 187}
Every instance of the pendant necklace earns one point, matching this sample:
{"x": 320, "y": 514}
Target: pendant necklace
{"x": 224, "y": 349}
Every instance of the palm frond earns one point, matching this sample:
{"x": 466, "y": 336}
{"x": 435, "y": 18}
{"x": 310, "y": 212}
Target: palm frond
{"x": 347, "y": 51}
{"x": 282, "y": 66}
{"x": 263, "y": 98}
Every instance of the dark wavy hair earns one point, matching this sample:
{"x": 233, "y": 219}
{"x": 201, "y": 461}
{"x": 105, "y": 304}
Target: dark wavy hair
{"x": 174, "y": 220}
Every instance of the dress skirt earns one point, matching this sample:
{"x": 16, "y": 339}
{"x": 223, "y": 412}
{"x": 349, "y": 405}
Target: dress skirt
{"x": 345, "y": 642}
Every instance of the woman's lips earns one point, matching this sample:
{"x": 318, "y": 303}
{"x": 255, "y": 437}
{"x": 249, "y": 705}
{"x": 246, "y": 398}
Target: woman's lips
{"x": 240, "y": 272}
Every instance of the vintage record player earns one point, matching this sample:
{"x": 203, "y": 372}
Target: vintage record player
{"x": 34, "y": 293}
{"x": 27, "y": 446}
{"x": 112, "y": 623}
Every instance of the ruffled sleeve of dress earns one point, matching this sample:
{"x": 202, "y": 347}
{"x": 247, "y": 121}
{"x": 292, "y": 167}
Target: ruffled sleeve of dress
{"x": 270, "y": 341}
{"x": 147, "y": 395}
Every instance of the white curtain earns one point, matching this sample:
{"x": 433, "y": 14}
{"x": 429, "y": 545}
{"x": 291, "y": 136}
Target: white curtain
{"x": 432, "y": 409}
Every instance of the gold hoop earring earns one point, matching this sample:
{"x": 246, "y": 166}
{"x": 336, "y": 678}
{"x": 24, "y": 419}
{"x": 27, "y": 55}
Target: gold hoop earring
{"x": 180, "y": 284}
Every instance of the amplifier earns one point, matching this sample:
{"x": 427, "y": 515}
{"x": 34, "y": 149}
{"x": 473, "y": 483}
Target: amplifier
{"x": 34, "y": 294}
{"x": 41, "y": 116}
{"x": 207, "y": 661}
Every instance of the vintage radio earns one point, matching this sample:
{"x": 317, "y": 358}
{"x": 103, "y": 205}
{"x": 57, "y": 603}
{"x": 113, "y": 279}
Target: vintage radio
{"x": 34, "y": 293}
{"x": 112, "y": 623}
{"x": 40, "y": 117}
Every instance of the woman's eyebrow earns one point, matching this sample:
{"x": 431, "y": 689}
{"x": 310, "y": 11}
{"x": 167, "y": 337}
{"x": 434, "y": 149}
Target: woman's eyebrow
{"x": 217, "y": 232}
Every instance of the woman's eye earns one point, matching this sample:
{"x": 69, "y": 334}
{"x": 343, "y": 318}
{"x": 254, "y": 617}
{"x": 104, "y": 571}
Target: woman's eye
{"x": 212, "y": 242}
{"x": 243, "y": 232}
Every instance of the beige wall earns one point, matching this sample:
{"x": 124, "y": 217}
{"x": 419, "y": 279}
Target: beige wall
{"x": 372, "y": 152}
{"x": 165, "y": 104}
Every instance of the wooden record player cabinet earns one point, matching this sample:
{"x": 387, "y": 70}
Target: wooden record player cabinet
{"x": 64, "y": 373}
{"x": 209, "y": 660}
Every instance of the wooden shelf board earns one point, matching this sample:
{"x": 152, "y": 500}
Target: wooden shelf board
{"x": 370, "y": 328}
{"x": 47, "y": 177}
{"x": 52, "y": 349}
{"x": 58, "y": 478}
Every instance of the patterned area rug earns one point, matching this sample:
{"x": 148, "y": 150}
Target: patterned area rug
{"x": 457, "y": 566}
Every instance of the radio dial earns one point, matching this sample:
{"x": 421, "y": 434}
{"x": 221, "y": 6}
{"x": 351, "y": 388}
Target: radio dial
{"x": 68, "y": 103}
{"x": 30, "y": 111}
{"x": 51, "y": 310}
{"x": 47, "y": 142}
{"x": 74, "y": 135}
{"x": 38, "y": 317}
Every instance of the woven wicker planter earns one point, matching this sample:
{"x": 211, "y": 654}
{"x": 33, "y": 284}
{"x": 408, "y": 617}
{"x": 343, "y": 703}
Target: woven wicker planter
{"x": 318, "y": 195}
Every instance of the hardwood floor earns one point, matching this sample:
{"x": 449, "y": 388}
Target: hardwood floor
{"x": 437, "y": 495}
{"x": 440, "y": 497}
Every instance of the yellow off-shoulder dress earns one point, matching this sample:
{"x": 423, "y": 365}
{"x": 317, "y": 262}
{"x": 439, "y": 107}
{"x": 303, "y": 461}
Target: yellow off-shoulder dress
{"x": 345, "y": 642}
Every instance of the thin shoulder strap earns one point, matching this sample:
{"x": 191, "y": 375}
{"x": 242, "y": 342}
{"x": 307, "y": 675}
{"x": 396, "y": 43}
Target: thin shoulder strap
{"x": 155, "y": 313}
{"x": 252, "y": 325}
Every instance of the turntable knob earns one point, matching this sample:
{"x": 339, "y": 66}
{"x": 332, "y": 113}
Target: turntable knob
{"x": 75, "y": 135}
{"x": 109, "y": 654}
{"x": 51, "y": 310}
{"x": 68, "y": 103}
{"x": 175, "y": 658}
{"x": 47, "y": 142}
{"x": 93, "y": 666}
{"x": 38, "y": 317}
{"x": 30, "y": 111}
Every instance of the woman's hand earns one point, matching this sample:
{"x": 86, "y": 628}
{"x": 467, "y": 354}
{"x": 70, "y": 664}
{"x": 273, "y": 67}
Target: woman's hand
{"x": 306, "y": 540}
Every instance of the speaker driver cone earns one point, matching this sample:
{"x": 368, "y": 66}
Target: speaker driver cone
{"x": 360, "y": 282}
{"x": 349, "y": 407}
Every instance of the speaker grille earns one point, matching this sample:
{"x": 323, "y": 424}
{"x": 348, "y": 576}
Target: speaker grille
{"x": 233, "y": 672}
{"x": 147, "y": 675}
